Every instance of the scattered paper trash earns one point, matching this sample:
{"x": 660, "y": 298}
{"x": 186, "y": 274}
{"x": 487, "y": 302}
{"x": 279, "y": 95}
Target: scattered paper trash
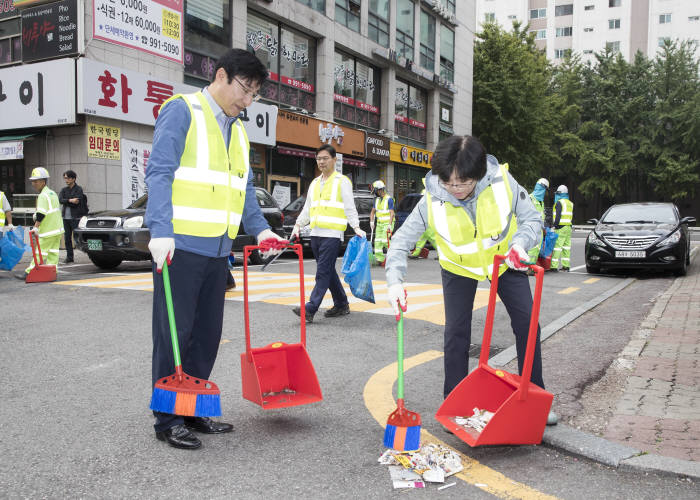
{"x": 405, "y": 478}
{"x": 446, "y": 486}
{"x": 436, "y": 475}
{"x": 477, "y": 421}
{"x": 432, "y": 463}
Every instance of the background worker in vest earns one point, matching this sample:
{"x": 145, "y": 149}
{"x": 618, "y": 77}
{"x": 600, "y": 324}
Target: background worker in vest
{"x": 563, "y": 217}
{"x": 329, "y": 208}
{"x": 473, "y": 204}
{"x": 200, "y": 187}
{"x": 47, "y": 220}
{"x": 383, "y": 214}
{"x": 5, "y": 215}
{"x": 537, "y": 198}
{"x": 74, "y": 207}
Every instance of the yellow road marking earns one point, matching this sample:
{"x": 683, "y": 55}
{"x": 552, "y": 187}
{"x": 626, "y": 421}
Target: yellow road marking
{"x": 591, "y": 280}
{"x": 567, "y": 291}
{"x": 379, "y": 401}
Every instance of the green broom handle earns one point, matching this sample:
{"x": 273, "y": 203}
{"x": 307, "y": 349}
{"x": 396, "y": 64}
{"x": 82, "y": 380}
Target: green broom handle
{"x": 171, "y": 315}
{"x": 399, "y": 357}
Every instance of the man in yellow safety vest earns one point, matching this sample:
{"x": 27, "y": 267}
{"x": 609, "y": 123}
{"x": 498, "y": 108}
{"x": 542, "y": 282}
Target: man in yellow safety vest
{"x": 563, "y": 218}
{"x": 5, "y": 215}
{"x": 383, "y": 213}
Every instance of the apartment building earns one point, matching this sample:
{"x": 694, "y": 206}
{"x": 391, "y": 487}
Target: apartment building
{"x": 589, "y": 26}
{"x": 82, "y": 82}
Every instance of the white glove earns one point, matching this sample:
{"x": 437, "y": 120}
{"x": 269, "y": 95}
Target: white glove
{"x": 515, "y": 255}
{"x": 295, "y": 232}
{"x": 360, "y": 233}
{"x": 265, "y": 235}
{"x": 9, "y": 227}
{"x": 34, "y": 230}
{"x": 397, "y": 297}
{"x": 371, "y": 223}
{"x": 161, "y": 249}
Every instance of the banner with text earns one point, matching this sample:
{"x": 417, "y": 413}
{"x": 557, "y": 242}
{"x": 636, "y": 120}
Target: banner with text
{"x": 134, "y": 161}
{"x": 103, "y": 141}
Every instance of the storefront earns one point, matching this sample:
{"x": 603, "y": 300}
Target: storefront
{"x": 410, "y": 167}
{"x": 377, "y": 147}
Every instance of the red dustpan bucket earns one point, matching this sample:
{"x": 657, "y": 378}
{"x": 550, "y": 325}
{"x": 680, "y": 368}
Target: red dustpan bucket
{"x": 280, "y": 374}
{"x": 519, "y": 407}
{"x": 40, "y": 273}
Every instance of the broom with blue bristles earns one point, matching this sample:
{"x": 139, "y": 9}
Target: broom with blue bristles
{"x": 402, "y": 432}
{"x": 179, "y": 393}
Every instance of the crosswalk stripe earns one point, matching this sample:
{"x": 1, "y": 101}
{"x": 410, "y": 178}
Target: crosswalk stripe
{"x": 568, "y": 290}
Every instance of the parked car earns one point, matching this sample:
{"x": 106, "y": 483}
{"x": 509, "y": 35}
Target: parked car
{"x": 639, "y": 235}
{"x": 364, "y": 201}
{"x": 405, "y": 207}
{"x": 110, "y": 237}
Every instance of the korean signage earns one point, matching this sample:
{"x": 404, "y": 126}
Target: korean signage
{"x": 8, "y": 9}
{"x": 134, "y": 161}
{"x": 113, "y": 92}
{"x": 103, "y": 141}
{"x": 50, "y": 31}
{"x": 260, "y": 122}
{"x": 153, "y": 26}
{"x": 293, "y": 128}
{"x": 400, "y": 153}
{"x": 377, "y": 147}
{"x": 11, "y": 150}
{"x": 37, "y": 95}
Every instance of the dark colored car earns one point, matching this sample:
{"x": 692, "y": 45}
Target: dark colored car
{"x": 641, "y": 236}
{"x": 112, "y": 236}
{"x": 405, "y": 207}
{"x": 364, "y": 201}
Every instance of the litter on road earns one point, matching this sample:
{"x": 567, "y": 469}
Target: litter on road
{"x": 432, "y": 463}
{"x": 477, "y": 421}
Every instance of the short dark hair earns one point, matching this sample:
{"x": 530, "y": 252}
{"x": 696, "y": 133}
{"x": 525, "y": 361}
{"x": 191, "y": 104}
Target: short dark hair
{"x": 463, "y": 155}
{"x": 70, "y": 174}
{"x": 243, "y": 64}
{"x": 326, "y": 147}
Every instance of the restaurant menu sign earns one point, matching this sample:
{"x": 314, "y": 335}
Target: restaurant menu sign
{"x": 153, "y": 26}
{"x": 50, "y": 31}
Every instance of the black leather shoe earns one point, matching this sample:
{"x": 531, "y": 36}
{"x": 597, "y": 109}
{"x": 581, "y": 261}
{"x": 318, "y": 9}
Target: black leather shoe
{"x": 337, "y": 311}
{"x": 207, "y": 425}
{"x": 68, "y": 261}
{"x": 309, "y": 317}
{"x": 21, "y": 276}
{"x": 179, "y": 436}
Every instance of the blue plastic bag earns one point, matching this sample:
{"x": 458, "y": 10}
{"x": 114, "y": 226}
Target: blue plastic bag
{"x": 12, "y": 247}
{"x": 356, "y": 268}
{"x": 548, "y": 241}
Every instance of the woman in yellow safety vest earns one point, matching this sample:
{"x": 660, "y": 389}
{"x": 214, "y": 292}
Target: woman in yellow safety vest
{"x": 477, "y": 210}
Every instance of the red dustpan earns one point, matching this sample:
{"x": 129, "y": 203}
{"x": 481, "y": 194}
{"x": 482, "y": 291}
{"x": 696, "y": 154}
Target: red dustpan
{"x": 519, "y": 407}
{"x": 280, "y": 374}
{"x": 40, "y": 273}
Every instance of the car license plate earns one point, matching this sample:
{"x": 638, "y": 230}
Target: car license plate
{"x": 94, "y": 244}
{"x": 630, "y": 254}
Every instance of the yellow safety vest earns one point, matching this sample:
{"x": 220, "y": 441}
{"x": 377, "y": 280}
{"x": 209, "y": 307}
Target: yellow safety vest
{"x": 2, "y": 210}
{"x": 567, "y": 212}
{"x": 381, "y": 207}
{"x": 539, "y": 206}
{"x": 47, "y": 204}
{"x": 327, "y": 209}
{"x": 210, "y": 184}
{"x": 467, "y": 250}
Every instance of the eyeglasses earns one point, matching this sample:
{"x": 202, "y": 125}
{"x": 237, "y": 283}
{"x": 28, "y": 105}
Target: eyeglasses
{"x": 248, "y": 91}
{"x": 457, "y": 187}
{"x": 322, "y": 159}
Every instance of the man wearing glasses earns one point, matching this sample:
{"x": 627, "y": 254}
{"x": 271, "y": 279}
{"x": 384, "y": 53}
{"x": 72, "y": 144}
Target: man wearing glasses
{"x": 329, "y": 208}
{"x": 200, "y": 189}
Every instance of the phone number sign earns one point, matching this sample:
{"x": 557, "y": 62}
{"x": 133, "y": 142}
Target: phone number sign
{"x": 153, "y": 26}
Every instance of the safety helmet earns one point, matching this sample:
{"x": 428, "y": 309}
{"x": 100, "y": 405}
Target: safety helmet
{"x": 544, "y": 182}
{"x": 378, "y": 185}
{"x": 562, "y": 189}
{"x": 39, "y": 173}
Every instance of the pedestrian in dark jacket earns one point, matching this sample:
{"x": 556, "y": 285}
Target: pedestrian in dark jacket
{"x": 74, "y": 207}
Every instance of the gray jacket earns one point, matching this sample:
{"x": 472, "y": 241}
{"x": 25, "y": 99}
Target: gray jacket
{"x": 403, "y": 241}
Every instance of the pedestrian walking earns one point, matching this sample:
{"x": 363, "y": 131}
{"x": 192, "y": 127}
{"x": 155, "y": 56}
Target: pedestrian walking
{"x": 383, "y": 214}
{"x": 74, "y": 207}
{"x": 47, "y": 220}
{"x": 5, "y": 215}
{"x": 200, "y": 189}
{"x": 329, "y": 208}
{"x": 477, "y": 211}
{"x": 563, "y": 218}
{"x": 537, "y": 198}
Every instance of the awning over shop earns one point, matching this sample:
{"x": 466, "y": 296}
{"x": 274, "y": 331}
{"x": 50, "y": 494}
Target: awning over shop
{"x": 353, "y": 162}
{"x": 12, "y": 146}
{"x": 304, "y": 153}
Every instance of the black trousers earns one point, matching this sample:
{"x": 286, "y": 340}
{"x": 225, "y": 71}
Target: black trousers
{"x": 326, "y": 253}
{"x": 459, "y": 292}
{"x": 68, "y": 226}
{"x": 197, "y": 284}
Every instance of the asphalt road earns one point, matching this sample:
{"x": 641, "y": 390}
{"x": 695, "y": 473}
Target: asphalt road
{"x": 77, "y": 386}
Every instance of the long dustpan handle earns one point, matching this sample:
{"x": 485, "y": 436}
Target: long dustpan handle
{"x": 399, "y": 358}
{"x": 36, "y": 249}
{"x": 171, "y": 320}
{"x": 532, "y": 332}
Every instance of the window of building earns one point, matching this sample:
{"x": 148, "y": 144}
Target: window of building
{"x": 356, "y": 91}
{"x": 427, "y": 41}
{"x": 588, "y": 51}
{"x": 693, "y": 18}
{"x": 410, "y": 113}
{"x": 404, "y": 28}
{"x": 589, "y": 7}
{"x": 207, "y": 36}
{"x": 512, "y": 16}
{"x": 614, "y": 3}
{"x": 447, "y": 53}
{"x": 664, "y": 18}
{"x": 538, "y": 13}
{"x": 10, "y": 34}
{"x": 290, "y": 58}
{"x": 564, "y": 31}
{"x": 561, "y": 53}
{"x": 564, "y": 10}
{"x": 613, "y": 46}
{"x": 614, "y": 24}
{"x": 446, "y": 130}
{"x": 451, "y": 5}
{"x": 319, "y": 5}
{"x": 347, "y": 13}
{"x": 378, "y": 22}
{"x": 540, "y": 34}
{"x": 587, "y": 30}
{"x": 490, "y": 17}
{"x": 663, "y": 40}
